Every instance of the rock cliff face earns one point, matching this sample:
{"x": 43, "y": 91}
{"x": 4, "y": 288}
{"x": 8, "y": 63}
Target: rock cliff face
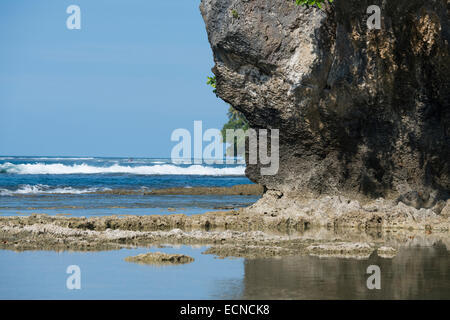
{"x": 362, "y": 113}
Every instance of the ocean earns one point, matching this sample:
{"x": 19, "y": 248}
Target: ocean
{"x": 81, "y": 186}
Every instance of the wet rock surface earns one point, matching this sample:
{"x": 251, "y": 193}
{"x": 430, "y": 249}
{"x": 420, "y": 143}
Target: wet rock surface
{"x": 387, "y": 252}
{"x": 357, "y": 250}
{"x": 159, "y": 258}
{"x": 229, "y": 234}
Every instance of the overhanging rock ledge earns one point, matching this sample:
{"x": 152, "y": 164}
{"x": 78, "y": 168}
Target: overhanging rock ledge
{"x": 364, "y": 115}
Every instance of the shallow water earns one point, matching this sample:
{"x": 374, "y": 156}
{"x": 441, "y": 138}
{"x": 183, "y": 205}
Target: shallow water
{"x": 105, "y": 275}
{"x": 415, "y": 273}
{"x": 64, "y": 185}
{"x": 103, "y": 205}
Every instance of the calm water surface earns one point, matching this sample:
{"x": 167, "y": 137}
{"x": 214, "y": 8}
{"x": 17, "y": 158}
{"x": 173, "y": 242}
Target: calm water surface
{"x": 415, "y": 273}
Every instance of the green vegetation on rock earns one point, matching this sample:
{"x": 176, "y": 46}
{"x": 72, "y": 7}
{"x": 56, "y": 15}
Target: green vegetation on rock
{"x": 236, "y": 121}
{"x": 317, "y": 3}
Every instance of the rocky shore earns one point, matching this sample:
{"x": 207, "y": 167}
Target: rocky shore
{"x": 331, "y": 231}
{"x": 363, "y": 131}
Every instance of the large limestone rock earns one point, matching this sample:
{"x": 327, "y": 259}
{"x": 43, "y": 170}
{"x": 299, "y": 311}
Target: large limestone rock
{"x": 362, "y": 113}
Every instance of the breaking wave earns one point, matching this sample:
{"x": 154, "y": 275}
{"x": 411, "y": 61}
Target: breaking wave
{"x": 166, "y": 169}
{"x": 46, "y": 158}
{"x": 44, "y": 189}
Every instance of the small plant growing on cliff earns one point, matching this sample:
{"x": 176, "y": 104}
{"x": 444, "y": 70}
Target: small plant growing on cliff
{"x": 317, "y": 3}
{"x": 212, "y": 82}
{"x": 236, "y": 120}
{"x": 234, "y": 14}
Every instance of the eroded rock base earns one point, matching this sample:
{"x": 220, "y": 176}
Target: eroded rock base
{"x": 340, "y": 211}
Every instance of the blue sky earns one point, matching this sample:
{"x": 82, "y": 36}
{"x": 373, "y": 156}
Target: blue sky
{"x": 118, "y": 87}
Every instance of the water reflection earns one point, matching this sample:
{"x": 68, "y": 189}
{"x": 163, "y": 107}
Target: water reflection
{"x": 415, "y": 273}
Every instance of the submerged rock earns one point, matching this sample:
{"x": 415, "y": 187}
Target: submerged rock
{"x": 354, "y": 250}
{"x": 251, "y": 251}
{"x": 362, "y": 113}
{"x": 242, "y": 190}
{"x": 160, "y": 258}
{"x": 387, "y": 252}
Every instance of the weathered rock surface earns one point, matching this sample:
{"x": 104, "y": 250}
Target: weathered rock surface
{"x": 237, "y": 235}
{"x": 362, "y": 113}
{"x": 345, "y": 212}
{"x": 159, "y": 258}
{"x": 356, "y": 250}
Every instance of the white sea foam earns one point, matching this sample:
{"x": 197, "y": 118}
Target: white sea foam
{"x": 46, "y": 158}
{"x": 45, "y": 189}
{"x": 57, "y": 159}
{"x": 167, "y": 169}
